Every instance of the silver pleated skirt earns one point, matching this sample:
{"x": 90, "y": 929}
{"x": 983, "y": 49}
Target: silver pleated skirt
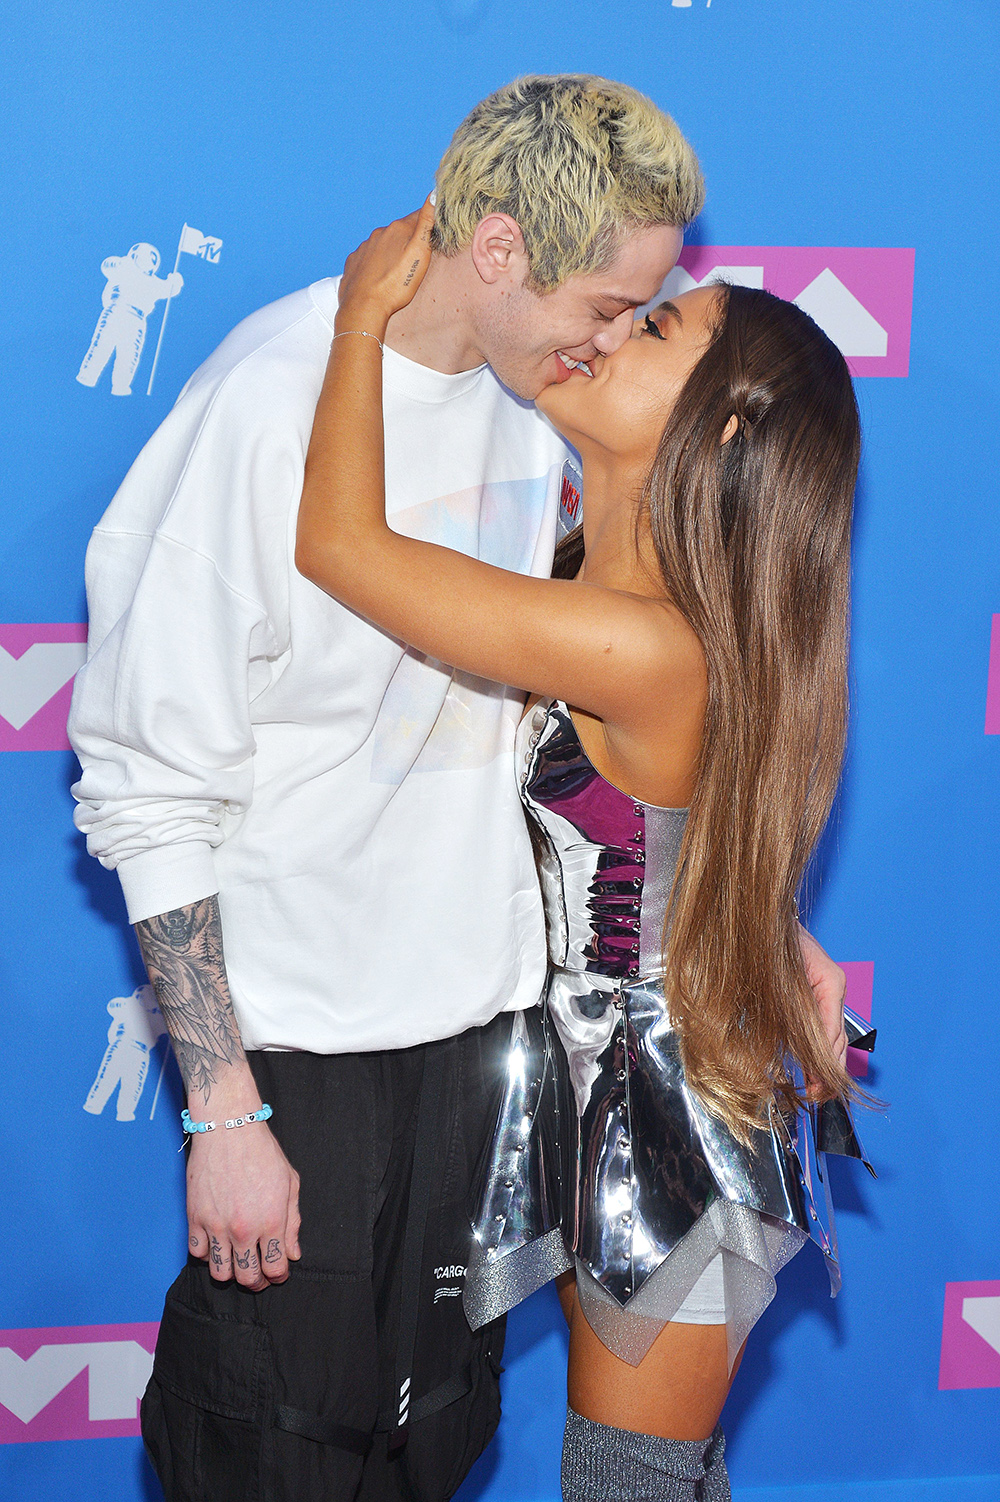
{"x": 605, "y": 1161}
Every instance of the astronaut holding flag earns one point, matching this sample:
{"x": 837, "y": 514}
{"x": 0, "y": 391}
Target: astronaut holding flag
{"x": 133, "y": 289}
{"x": 192, "y": 243}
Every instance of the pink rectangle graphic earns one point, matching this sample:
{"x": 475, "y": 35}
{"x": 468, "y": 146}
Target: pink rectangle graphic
{"x": 37, "y": 665}
{"x": 993, "y": 681}
{"x": 970, "y": 1336}
{"x": 862, "y": 296}
{"x": 860, "y": 984}
{"x": 74, "y": 1381}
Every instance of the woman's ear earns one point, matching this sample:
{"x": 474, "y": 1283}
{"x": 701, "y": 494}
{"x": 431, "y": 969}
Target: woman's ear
{"x": 732, "y": 426}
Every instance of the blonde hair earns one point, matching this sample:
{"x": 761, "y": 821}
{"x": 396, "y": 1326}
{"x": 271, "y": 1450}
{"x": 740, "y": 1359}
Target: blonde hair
{"x": 577, "y": 161}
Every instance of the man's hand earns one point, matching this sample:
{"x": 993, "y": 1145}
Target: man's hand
{"x": 829, "y": 985}
{"x": 242, "y": 1205}
{"x": 243, "y": 1194}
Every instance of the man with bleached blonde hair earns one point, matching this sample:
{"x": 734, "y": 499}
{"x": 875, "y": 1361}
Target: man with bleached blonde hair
{"x": 578, "y": 162}
{"x": 559, "y": 203}
{"x": 264, "y": 768}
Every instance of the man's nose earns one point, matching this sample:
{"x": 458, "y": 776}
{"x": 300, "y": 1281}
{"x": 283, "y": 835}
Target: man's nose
{"x": 614, "y": 334}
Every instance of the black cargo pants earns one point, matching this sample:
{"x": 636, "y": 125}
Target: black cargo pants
{"x": 359, "y": 1379}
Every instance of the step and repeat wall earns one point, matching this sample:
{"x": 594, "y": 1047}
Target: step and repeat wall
{"x": 171, "y": 168}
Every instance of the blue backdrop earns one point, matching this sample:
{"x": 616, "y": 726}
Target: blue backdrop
{"x": 285, "y": 132}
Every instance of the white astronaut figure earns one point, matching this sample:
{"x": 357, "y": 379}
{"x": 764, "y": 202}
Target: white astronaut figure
{"x": 132, "y": 292}
{"x": 137, "y": 1026}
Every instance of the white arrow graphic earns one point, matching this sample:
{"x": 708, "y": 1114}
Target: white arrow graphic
{"x": 680, "y": 280}
{"x": 28, "y": 682}
{"x": 984, "y": 1317}
{"x": 27, "y": 1386}
{"x": 119, "y": 1371}
{"x": 842, "y": 317}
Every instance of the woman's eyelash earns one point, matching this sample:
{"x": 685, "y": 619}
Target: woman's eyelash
{"x": 651, "y": 328}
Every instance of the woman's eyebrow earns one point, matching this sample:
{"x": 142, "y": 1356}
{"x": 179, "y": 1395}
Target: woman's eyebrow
{"x": 672, "y": 309}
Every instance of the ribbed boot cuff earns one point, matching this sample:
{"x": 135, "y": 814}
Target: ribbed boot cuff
{"x": 604, "y": 1464}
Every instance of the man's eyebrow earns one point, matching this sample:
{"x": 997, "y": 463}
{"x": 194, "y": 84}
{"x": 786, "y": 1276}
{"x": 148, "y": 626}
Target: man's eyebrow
{"x": 672, "y": 309}
{"x": 619, "y": 297}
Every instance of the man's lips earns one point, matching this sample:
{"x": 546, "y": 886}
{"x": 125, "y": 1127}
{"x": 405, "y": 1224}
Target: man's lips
{"x": 567, "y": 366}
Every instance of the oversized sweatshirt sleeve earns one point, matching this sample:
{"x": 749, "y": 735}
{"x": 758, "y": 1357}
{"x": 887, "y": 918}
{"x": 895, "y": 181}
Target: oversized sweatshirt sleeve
{"x": 187, "y": 591}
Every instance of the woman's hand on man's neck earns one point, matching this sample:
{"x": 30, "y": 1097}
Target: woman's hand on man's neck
{"x": 436, "y": 328}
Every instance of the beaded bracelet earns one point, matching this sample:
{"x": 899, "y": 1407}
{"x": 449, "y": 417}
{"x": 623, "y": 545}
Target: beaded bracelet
{"x": 263, "y": 1113}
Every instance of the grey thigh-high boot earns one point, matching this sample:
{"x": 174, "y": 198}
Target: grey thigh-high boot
{"x": 603, "y": 1464}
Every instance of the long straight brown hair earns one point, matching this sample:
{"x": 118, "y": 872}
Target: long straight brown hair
{"x": 752, "y": 537}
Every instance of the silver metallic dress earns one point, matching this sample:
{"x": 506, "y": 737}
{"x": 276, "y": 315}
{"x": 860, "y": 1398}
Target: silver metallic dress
{"x": 603, "y": 1159}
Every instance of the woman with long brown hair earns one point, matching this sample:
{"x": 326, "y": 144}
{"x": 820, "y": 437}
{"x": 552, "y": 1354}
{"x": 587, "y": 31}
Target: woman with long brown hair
{"x": 654, "y": 1146}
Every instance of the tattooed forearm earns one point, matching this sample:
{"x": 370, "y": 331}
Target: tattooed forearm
{"x": 187, "y": 968}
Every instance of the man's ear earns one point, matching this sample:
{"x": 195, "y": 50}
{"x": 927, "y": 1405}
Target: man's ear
{"x": 498, "y": 248}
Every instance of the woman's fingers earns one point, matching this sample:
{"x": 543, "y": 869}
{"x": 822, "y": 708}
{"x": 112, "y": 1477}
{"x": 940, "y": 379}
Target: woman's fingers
{"x": 840, "y": 1048}
{"x": 418, "y": 250}
{"x": 383, "y": 274}
{"x": 424, "y": 222}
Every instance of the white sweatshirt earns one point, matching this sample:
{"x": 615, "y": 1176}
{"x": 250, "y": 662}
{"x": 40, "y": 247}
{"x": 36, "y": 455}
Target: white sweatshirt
{"x": 352, "y": 803}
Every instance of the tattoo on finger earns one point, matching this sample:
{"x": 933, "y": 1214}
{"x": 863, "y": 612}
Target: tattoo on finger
{"x": 246, "y": 1260}
{"x": 273, "y": 1253}
{"x": 216, "y": 1253}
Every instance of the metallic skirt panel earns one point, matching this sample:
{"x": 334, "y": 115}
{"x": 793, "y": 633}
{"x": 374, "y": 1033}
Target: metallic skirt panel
{"x": 604, "y": 1159}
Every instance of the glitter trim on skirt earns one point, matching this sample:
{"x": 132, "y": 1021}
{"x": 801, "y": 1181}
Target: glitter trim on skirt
{"x": 604, "y": 1159}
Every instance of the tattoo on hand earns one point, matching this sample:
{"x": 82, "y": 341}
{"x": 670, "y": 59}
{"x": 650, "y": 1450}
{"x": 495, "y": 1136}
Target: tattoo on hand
{"x": 246, "y": 1260}
{"x": 216, "y": 1253}
{"x": 273, "y": 1253}
{"x": 193, "y": 1242}
{"x": 410, "y": 274}
{"x": 184, "y": 956}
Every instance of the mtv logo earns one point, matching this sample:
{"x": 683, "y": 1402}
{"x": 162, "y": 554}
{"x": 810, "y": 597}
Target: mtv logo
{"x": 73, "y": 1382}
{"x": 970, "y": 1337}
{"x": 37, "y": 667}
{"x": 860, "y": 983}
{"x": 861, "y": 297}
{"x": 993, "y": 681}
{"x": 210, "y": 249}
